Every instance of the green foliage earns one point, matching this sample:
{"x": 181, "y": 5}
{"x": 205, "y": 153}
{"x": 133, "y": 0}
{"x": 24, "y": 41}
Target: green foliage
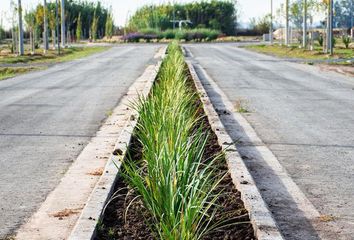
{"x": 314, "y": 7}
{"x": 8, "y": 72}
{"x": 170, "y": 34}
{"x": 2, "y": 33}
{"x": 260, "y": 25}
{"x": 30, "y": 21}
{"x": 94, "y": 27}
{"x": 68, "y": 54}
{"x": 320, "y": 40}
{"x": 334, "y": 42}
{"x": 73, "y": 8}
{"x": 344, "y": 10}
{"x": 175, "y": 183}
{"x": 109, "y": 26}
{"x": 346, "y": 40}
{"x": 197, "y": 35}
{"x": 79, "y": 28}
{"x": 214, "y": 14}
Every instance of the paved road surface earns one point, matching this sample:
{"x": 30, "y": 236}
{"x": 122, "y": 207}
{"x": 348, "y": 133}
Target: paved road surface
{"x": 47, "y": 117}
{"x": 306, "y": 118}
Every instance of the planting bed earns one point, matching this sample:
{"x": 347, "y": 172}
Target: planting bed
{"x": 189, "y": 169}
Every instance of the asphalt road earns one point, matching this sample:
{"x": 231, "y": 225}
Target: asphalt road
{"x": 306, "y": 118}
{"x": 47, "y": 118}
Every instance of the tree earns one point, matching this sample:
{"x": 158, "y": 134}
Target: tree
{"x": 79, "y": 28}
{"x": 260, "y": 25}
{"x": 109, "y": 26}
{"x": 94, "y": 27}
{"x": 13, "y": 26}
{"x": 2, "y": 33}
{"x": 52, "y": 23}
{"x": 343, "y": 10}
{"x": 72, "y": 10}
{"x": 30, "y": 20}
{"x": 2, "y": 30}
{"x": 210, "y": 14}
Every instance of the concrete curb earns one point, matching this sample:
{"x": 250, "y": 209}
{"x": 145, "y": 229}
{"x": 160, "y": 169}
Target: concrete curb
{"x": 262, "y": 220}
{"x": 90, "y": 177}
{"x": 85, "y": 227}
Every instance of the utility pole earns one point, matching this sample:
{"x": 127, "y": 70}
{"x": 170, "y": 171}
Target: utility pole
{"x": 304, "y": 34}
{"x": 271, "y": 22}
{"x": 287, "y": 22}
{"x": 57, "y": 24}
{"x": 63, "y": 23}
{"x": 45, "y": 32}
{"x": 20, "y": 29}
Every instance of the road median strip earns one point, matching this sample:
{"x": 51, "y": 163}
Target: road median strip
{"x": 121, "y": 168}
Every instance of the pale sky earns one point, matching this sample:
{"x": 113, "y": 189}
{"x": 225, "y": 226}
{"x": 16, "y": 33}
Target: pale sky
{"x": 121, "y": 9}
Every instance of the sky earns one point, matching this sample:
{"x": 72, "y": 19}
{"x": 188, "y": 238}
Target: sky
{"x": 123, "y": 8}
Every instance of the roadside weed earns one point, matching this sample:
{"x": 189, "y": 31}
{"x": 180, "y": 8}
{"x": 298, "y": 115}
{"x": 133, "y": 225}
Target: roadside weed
{"x": 241, "y": 106}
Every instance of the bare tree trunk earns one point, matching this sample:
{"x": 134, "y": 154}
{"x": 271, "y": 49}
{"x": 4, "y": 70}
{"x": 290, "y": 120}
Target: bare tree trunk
{"x": 13, "y": 40}
{"x": 53, "y": 39}
{"x": 31, "y": 41}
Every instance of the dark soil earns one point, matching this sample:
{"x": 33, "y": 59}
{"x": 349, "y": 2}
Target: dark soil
{"x": 117, "y": 224}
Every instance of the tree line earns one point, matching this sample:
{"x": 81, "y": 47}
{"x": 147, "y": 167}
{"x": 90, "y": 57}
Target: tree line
{"x": 214, "y": 14}
{"x": 87, "y": 17}
{"x": 343, "y": 15}
{"x": 83, "y": 19}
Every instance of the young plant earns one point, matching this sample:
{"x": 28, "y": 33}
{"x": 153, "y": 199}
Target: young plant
{"x": 346, "y": 40}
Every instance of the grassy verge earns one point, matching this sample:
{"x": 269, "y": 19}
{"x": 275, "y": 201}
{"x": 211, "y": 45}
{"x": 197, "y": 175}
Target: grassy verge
{"x": 68, "y": 54}
{"x": 296, "y": 52}
{"x": 10, "y": 72}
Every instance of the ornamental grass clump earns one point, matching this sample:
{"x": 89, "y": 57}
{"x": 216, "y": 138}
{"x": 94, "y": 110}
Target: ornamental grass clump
{"x": 176, "y": 184}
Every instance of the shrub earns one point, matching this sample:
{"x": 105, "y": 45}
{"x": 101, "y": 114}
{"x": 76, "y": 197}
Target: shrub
{"x": 346, "y": 40}
{"x": 133, "y": 37}
{"x": 198, "y": 35}
{"x": 181, "y": 35}
{"x": 149, "y": 37}
{"x": 212, "y": 35}
{"x": 320, "y": 40}
{"x": 170, "y": 34}
{"x": 149, "y": 31}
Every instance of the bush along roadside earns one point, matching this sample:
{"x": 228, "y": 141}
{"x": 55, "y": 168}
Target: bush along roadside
{"x": 197, "y": 35}
{"x": 174, "y": 183}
